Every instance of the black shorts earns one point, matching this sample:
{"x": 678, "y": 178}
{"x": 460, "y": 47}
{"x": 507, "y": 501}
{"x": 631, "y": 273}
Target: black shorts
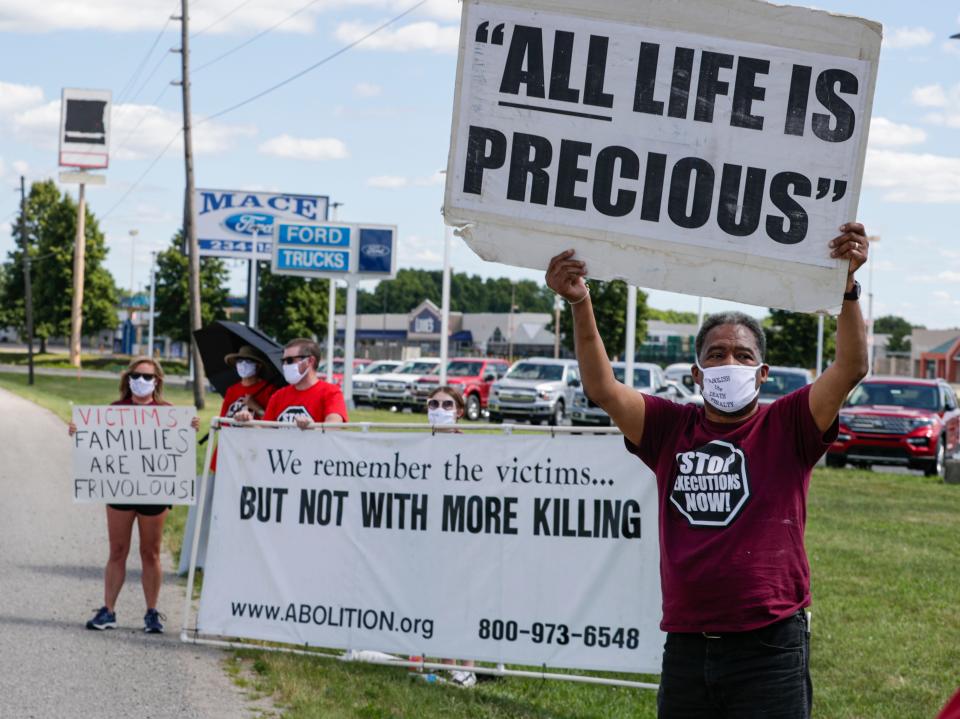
{"x": 147, "y": 510}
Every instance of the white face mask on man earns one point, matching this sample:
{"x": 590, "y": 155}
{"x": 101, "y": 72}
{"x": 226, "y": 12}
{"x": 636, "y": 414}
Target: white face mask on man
{"x": 731, "y": 387}
{"x": 246, "y": 368}
{"x": 292, "y": 373}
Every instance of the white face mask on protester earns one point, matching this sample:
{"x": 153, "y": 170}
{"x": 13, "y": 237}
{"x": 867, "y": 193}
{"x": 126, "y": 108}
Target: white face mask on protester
{"x": 441, "y": 416}
{"x": 246, "y": 368}
{"x": 142, "y": 387}
{"x": 292, "y": 373}
{"x": 729, "y": 388}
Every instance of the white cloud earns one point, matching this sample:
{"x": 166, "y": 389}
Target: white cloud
{"x": 912, "y": 177}
{"x": 14, "y": 97}
{"x": 21, "y": 167}
{"x": 395, "y": 182}
{"x": 305, "y": 148}
{"x": 905, "y": 37}
{"x": 419, "y": 251}
{"x": 884, "y": 133}
{"x": 367, "y": 89}
{"x": 426, "y": 35}
{"x": 929, "y": 96}
{"x": 388, "y": 182}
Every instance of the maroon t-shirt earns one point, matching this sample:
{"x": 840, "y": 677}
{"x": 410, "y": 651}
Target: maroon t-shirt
{"x": 733, "y": 507}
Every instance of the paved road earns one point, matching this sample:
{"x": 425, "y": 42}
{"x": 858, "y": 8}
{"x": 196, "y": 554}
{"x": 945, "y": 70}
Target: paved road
{"x": 51, "y": 578}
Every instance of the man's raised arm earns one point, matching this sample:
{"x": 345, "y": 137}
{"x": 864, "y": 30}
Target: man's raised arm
{"x": 565, "y": 276}
{"x": 832, "y": 387}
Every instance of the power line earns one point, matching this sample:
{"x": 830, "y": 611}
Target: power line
{"x": 303, "y": 72}
{"x": 253, "y": 39}
{"x": 221, "y": 18}
{"x": 142, "y": 176}
{"x": 136, "y": 73}
{"x": 143, "y": 116}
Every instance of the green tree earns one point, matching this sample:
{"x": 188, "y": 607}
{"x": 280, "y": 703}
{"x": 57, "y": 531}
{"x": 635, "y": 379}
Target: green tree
{"x": 293, "y": 306}
{"x": 173, "y": 291}
{"x": 792, "y": 339}
{"x": 898, "y": 329}
{"x": 610, "y": 309}
{"x": 51, "y": 221}
{"x": 673, "y": 316}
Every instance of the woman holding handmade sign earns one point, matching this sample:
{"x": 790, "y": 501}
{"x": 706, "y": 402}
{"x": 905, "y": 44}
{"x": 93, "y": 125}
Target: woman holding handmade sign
{"x": 140, "y": 384}
{"x": 251, "y": 394}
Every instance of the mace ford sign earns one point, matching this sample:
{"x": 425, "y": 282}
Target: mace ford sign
{"x": 335, "y": 250}
{"x": 235, "y": 223}
{"x": 700, "y": 147}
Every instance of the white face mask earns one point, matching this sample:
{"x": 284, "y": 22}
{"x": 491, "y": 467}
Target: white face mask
{"x": 142, "y": 387}
{"x": 729, "y": 388}
{"x": 292, "y": 373}
{"x": 441, "y": 416}
{"x": 246, "y": 368}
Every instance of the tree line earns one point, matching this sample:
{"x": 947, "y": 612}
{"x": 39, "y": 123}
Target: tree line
{"x": 296, "y": 307}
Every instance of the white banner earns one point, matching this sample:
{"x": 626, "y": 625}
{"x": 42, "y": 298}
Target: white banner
{"x": 134, "y": 454}
{"x": 515, "y": 549}
{"x": 680, "y": 146}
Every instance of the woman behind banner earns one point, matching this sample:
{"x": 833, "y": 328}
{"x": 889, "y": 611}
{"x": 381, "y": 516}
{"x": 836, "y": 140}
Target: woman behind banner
{"x": 251, "y": 394}
{"x": 140, "y": 384}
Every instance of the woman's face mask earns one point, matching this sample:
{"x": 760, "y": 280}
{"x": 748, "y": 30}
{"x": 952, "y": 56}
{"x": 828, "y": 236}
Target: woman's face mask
{"x": 142, "y": 387}
{"x": 730, "y": 388}
{"x": 246, "y": 368}
{"x": 442, "y": 416}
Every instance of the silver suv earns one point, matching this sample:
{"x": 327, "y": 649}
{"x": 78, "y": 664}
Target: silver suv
{"x": 395, "y": 389}
{"x": 647, "y": 377}
{"x": 535, "y": 389}
{"x": 364, "y": 381}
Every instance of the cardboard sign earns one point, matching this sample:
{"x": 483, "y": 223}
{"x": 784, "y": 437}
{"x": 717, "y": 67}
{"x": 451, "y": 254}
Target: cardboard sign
{"x": 522, "y": 549}
{"x": 700, "y": 147}
{"x": 134, "y": 454}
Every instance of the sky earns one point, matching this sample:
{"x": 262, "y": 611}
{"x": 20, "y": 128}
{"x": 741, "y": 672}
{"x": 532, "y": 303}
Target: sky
{"x": 370, "y": 128}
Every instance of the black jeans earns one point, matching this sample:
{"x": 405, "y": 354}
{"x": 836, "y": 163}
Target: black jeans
{"x": 741, "y": 675}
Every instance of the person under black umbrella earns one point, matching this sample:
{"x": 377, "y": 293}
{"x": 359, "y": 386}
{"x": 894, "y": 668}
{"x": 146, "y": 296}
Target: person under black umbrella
{"x": 250, "y": 395}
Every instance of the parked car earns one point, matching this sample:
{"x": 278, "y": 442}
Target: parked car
{"x": 472, "y": 376}
{"x": 680, "y": 372}
{"x": 395, "y": 389}
{"x": 680, "y": 393}
{"x": 782, "y": 381}
{"x": 535, "y": 389}
{"x": 647, "y": 377}
{"x": 358, "y": 365}
{"x": 363, "y": 383}
{"x": 913, "y": 423}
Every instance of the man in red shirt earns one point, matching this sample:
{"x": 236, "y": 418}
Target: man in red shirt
{"x": 732, "y": 481}
{"x": 307, "y": 398}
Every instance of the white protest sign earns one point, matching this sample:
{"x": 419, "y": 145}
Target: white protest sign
{"x": 530, "y": 550}
{"x": 134, "y": 454}
{"x": 700, "y": 147}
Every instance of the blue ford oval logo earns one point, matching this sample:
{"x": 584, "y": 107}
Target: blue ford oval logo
{"x": 376, "y": 250}
{"x": 250, "y": 223}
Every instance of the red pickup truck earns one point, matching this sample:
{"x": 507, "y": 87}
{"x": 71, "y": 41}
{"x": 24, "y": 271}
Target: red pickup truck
{"x": 913, "y": 423}
{"x": 472, "y": 376}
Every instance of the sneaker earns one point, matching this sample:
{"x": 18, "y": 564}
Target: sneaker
{"x": 463, "y": 679}
{"x": 103, "y": 619}
{"x": 151, "y": 622}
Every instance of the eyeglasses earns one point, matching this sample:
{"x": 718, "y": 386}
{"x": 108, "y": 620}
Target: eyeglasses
{"x": 295, "y": 358}
{"x": 437, "y": 404}
{"x": 142, "y": 375}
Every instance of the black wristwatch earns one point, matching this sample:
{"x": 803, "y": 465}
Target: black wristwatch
{"x": 854, "y": 294}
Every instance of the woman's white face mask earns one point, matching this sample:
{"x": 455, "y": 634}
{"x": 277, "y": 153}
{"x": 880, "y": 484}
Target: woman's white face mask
{"x": 142, "y": 387}
{"x": 246, "y": 368}
{"x": 729, "y": 388}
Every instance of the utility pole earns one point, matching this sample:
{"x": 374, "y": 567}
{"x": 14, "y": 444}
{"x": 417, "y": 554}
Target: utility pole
{"x": 27, "y": 286}
{"x": 332, "y": 309}
{"x": 189, "y": 229}
{"x": 153, "y": 300}
{"x": 79, "y": 252}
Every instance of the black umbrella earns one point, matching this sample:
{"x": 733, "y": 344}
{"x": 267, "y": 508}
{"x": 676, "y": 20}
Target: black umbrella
{"x": 221, "y": 338}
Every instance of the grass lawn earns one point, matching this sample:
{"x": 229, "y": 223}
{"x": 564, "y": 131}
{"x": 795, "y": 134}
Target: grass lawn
{"x": 885, "y": 555}
{"x": 107, "y": 363}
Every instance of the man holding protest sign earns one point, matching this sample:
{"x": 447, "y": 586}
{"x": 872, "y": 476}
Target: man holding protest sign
{"x": 307, "y": 399}
{"x": 732, "y": 481}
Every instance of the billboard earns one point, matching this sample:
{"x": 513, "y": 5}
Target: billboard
{"x": 85, "y": 128}
{"x": 241, "y": 224}
{"x": 700, "y": 147}
{"x": 335, "y": 250}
